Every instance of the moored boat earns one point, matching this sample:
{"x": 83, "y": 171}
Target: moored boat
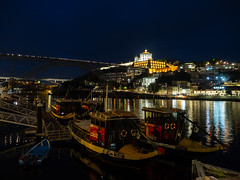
{"x": 36, "y": 155}
{"x": 113, "y": 137}
{"x": 167, "y": 128}
{"x": 66, "y": 109}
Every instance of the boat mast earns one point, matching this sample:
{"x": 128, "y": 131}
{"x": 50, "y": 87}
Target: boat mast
{"x": 106, "y": 99}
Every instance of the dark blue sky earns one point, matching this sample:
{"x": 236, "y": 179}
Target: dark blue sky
{"x": 116, "y": 31}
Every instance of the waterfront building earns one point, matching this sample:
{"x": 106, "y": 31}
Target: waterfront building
{"x": 220, "y": 65}
{"x": 188, "y": 67}
{"x": 146, "y": 81}
{"x": 154, "y": 66}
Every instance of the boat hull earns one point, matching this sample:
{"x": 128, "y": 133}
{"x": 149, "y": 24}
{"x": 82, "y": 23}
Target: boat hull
{"x": 36, "y": 155}
{"x": 187, "y": 149}
{"x": 109, "y": 157}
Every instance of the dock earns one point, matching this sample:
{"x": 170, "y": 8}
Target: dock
{"x": 54, "y": 130}
{"x": 18, "y": 114}
{"x": 202, "y": 171}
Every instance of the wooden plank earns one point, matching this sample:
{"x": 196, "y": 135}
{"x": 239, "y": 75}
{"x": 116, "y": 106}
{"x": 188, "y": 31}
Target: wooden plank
{"x": 199, "y": 168}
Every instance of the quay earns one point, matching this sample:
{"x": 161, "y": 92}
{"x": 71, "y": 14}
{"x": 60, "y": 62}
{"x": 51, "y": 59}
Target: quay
{"x": 131, "y": 94}
{"x": 20, "y": 115}
{"x": 53, "y": 130}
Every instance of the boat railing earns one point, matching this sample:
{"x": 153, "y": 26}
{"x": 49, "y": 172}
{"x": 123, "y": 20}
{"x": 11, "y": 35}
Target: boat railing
{"x": 58, "y": 135}
{"x": 53, "y": 107}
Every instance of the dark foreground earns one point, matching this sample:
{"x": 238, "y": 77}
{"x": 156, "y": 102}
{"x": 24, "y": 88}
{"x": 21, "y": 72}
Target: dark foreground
{"x": 66, "y": 160}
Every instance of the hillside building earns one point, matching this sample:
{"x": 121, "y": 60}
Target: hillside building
{"x": 145, "y": 61}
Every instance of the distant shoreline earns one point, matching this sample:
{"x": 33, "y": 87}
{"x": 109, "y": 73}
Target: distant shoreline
{"x": 83, "y": 93}
{"x": 134, "y": 95}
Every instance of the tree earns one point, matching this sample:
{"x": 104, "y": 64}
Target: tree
{"x": 229, "y": 92}
{"x": 178, "y": 76}
{"x": 154, "y": 87}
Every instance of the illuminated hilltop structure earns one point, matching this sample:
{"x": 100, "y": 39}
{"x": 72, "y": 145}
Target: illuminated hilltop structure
{"x": 145, "y": 61}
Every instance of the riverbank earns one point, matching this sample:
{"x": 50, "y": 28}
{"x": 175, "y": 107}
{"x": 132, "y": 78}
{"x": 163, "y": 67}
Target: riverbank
{"x": 83, "y": 93}
{"x": 134, "y": 95}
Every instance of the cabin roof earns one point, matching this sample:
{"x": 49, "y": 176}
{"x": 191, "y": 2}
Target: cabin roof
{"x": 85, "y": 124}
{"x": 68, "y": 100}
{"x": 113, "y": 115}
{"x": 163, "y": 110}
{"x": 75, "y": 101}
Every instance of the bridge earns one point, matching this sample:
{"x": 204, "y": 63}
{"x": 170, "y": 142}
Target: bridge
{"x": 51, "y": 62}
{"x": 51, "y": 80}
{"x": 7, "y": 56}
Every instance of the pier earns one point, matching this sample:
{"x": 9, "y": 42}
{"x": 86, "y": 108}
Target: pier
{"x": 18, "y": 115}
{"x": 13, "y": 118}
{"x": 54, "y": 130}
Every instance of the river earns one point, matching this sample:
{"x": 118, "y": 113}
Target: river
{"x": 222, "y": 118}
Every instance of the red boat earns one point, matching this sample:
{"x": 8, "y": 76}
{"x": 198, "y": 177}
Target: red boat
{"x": 113, "y": 137}
{"x": 167, "y": 128}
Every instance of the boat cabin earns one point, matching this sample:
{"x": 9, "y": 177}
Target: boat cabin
{"x": 113, "y": 129}
{"x": 164, "y": 124}
{"x": 66, "y": 106}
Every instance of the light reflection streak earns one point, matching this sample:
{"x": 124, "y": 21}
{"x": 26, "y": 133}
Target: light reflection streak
{"x": 209, "y": 127}
{"x": 5, "y": 140}
{"x": 212, "y": 115}
{"x": 183, "y": 104}
{"x": 49, "y": 101}
{"x": 128, "y": 105}
{"x": 218, "y": 118}
{"x": 174, "y": 103}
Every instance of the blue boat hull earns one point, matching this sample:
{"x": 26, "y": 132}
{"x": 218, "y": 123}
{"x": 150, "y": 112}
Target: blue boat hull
{"x": 36, "y": 155}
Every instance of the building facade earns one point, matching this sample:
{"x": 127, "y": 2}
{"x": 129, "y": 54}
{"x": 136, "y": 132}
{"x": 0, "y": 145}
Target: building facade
{"x": 145, "y": 61}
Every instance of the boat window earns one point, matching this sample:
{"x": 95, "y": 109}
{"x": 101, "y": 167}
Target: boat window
{"x": 148, "y": 114}
{"x": 175, "y": 115}
{"x": 148, "y": 117}
{"x": 123, "y": 124}
{"x": 93, "y": 121}
{"x": 112, "y": 124}
{"x": 132, "y": 123}
{"x": 102, "y": 124}
{"x": 156, "y": 120}
{"x": 180, "y": 116}
{"x": 149, "y": 121}
{"x": 167, "y": 117}
{"x": 97, "y": 122}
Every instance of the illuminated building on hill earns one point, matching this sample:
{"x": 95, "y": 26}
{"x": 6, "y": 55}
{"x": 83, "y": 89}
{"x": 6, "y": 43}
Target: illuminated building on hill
{"x": 144, "y": 56}
{"x": 145, "y": 61}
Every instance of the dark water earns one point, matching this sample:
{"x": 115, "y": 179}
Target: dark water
{"x": 220, "y": 117}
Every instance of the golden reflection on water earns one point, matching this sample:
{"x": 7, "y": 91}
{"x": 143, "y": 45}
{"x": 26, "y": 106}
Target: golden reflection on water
{"x": 215, "y": 117}
{"x": 221, "y": 118}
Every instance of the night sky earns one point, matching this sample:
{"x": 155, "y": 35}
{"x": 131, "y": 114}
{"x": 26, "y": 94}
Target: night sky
{"x": 116, "y": 31}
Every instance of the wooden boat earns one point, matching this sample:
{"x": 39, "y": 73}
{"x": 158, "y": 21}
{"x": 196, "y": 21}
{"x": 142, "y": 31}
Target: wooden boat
{"x": 66, "y": 109}
{"x": 36, "y": 155}
{"x": 167, "y": 128}
{"x": 202, "y": 170}
{"x": 113, "y": 137}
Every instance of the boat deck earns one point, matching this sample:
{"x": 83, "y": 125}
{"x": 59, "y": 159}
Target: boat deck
{"x": 85, "y": 124}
